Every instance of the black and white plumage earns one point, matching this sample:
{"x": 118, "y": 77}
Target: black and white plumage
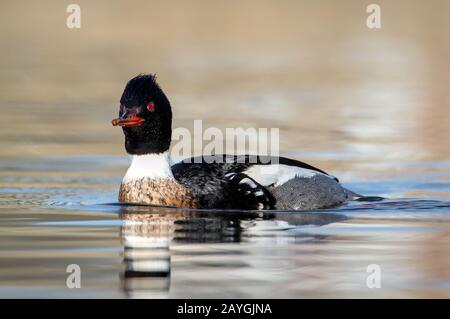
{"x": 254, "y": 182}
{"x": 219, "y": 181}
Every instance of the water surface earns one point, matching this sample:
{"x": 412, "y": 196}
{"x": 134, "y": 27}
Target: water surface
{"x": 57, "y": 215}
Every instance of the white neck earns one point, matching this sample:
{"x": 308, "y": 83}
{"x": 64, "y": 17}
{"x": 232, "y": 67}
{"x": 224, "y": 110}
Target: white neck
{"x": 154, "y": 166}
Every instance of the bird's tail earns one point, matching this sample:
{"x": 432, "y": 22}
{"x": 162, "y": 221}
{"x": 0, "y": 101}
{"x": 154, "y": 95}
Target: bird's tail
{"x": 361, "y": 198}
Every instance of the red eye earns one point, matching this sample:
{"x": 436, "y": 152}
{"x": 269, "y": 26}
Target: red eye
{"x": 151, "y": 106}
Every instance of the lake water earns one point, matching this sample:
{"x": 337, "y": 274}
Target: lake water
{"x": 369, "y": 106}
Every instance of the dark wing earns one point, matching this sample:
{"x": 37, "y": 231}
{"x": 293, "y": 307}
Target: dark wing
{"x": 222, "y": 184}
{"x": 242, "y": 162}
{"x": 219, "y": 180}
{"x": 252, "y": 195}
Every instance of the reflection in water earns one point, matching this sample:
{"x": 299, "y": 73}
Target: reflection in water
{"x": 146, "y": 238}
{"x": 146, "y": 256}
{"x": 147, "y": 234}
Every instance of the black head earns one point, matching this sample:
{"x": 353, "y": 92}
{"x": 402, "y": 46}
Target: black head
{"x": 145, "y": 116}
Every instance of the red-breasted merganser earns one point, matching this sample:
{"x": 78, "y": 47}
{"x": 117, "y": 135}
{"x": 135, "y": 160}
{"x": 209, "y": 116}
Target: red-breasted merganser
{"x": 247, "y": 182}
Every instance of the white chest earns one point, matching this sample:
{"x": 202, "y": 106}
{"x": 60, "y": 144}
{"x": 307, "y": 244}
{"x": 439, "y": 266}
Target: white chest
{"x": 152, "y": 166}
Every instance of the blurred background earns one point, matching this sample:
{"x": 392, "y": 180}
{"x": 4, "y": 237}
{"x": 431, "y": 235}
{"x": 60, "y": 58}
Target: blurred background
{"x": 370, "y": 106}
{"x": 312, "y": 68}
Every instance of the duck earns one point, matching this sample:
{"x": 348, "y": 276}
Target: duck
{"x": 224, "y": 181}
